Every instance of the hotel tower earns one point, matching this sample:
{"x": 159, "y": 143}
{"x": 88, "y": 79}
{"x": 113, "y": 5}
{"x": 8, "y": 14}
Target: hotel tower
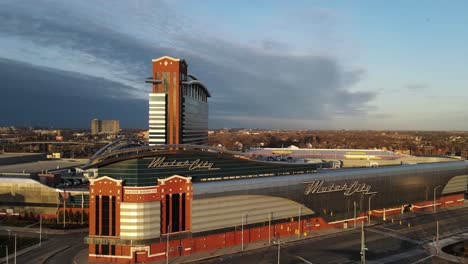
{"x": 178, "y": 104}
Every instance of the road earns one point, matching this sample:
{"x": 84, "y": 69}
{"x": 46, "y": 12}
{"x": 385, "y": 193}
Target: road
{"x": 386, "y": 243}
{"x": 397, "y": 242}
{"x": 58, "y": 248}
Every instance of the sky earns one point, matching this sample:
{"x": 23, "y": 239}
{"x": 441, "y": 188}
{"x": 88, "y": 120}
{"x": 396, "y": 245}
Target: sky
{"x": 381, "y": 65}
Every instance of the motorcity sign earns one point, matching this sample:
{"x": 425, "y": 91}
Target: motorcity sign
{"x": 316, "y": 187}
{"x": 198, "y": 164}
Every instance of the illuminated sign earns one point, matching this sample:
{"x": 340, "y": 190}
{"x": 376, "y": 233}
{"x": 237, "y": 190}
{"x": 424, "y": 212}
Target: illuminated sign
{"x": 356, "y": 187}
{"x": 160, "y": 162}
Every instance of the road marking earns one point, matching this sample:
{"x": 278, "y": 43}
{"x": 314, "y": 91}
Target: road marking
{"x": 428, "y": 257}
{"x": 306, "y": 261}
{"x": 395, "y": 236}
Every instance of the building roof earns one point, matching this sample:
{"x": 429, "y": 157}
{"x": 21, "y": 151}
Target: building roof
{"x": 40, "y": 166}
{"x": 10, "y": 155}
{"x": 167, "y": 57}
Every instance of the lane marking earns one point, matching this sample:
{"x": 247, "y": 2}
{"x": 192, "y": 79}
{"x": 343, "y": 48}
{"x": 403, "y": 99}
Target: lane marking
{"x": 305, "y": 260}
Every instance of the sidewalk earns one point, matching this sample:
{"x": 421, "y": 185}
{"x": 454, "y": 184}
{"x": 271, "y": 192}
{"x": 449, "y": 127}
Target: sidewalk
{"x": 252, "y": 246}
{"x": 436, "y": 251}
{"x": 11, "y": 256}
{"x": 44, "y": 230}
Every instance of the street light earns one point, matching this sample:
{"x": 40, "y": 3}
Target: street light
{"x": 9, "y": 235}
{"x": 278, "y": 242}
{"x": 363, "y": 245}
{"x": 435, "y": 188}
{"x": 6, "y": 252}
{"x": 370, "y": 211}
{"x": 269, "y": 227}
{"x": 299, "y": 227}
{"x": 354, "y": 202}
{"x": 242, "y": 230}
{"x": 15, "y": 249}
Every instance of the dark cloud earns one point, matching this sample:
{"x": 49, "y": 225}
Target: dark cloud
{"x": 264, "y": 83}
{"x": 47, "y": 97}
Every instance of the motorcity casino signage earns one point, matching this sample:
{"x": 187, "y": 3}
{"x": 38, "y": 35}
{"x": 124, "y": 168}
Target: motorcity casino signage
{"x": 316, "y": 187}
{"x": 191, "y": 165}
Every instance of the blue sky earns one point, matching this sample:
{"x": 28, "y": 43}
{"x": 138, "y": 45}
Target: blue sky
{"x": 268, "y": 64}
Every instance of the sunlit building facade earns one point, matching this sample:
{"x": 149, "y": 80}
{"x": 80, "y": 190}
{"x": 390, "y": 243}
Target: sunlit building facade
{"x": 178, "y": 104}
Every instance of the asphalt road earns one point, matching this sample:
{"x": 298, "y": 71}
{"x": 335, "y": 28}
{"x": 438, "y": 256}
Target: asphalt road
{"x": 386, "y": 243}
{"x": 57, "y": 249}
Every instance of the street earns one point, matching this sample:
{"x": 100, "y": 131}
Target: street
{"x": 387, "y": 243}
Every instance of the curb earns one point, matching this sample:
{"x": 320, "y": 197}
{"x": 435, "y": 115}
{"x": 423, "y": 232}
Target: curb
{"x": 23, "y": 251}
{"x": 262, "y": 246}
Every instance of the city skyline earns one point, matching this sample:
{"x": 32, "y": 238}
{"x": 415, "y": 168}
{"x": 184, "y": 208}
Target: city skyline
{"x": 313, "y": 65}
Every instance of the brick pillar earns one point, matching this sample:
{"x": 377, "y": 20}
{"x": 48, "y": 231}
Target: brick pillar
{"x": 110, "y": 216}
{"x": 100, "y": 216}
{"x": 163, "y": 216}
{"x": 170, "y": 214}
{"x": 180, "y": 212}
{"x": 188, "y": 210}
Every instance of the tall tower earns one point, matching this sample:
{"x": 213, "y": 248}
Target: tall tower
{"x": 178, "y": 104}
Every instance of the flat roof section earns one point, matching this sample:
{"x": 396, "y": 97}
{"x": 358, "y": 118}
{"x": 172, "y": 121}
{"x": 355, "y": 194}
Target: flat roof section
{"x": 13, "y": 158}
{"x": 41, "y": 166}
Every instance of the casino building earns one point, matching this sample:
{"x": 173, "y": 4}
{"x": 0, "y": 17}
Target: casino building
{"x": 178, "y": 104}
{"x": 175, "y": 198}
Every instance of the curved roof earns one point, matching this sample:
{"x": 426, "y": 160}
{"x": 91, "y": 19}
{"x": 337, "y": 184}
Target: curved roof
{"x": 118, "y": 151}
{"x": 119, "y": 144}
{"x": 196, "y": 82}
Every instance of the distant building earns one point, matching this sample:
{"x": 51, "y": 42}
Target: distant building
{"x": 48, "y": 132}
{"x": 178, "y": 104}
{"x": 104, "y": 127}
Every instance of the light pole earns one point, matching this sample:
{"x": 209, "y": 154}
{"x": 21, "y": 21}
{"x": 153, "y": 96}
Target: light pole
{"x": 363, "y": 245}
{"x": 40, "y": 229}
{"x": 354, "y": 202}
{"x": 269, "y": 228}
{"x": 278, "y": 242}
{"x": 242, "y": 230}
{"x": 167, "y": 245}
{"x": 437, "y": 237}
{"x": 242, "y": 233}
{"x": 15, "y": 245}
{"x": 6, "y": 253}
{"x": 299, "y": 223}
{"x": 370, "y": 211}
{"x": 435, "y": 188}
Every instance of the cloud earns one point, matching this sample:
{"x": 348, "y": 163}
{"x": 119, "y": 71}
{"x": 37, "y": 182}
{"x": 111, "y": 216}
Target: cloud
{"x": 264, "y": 82}
{"x": 34, "y": 95}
